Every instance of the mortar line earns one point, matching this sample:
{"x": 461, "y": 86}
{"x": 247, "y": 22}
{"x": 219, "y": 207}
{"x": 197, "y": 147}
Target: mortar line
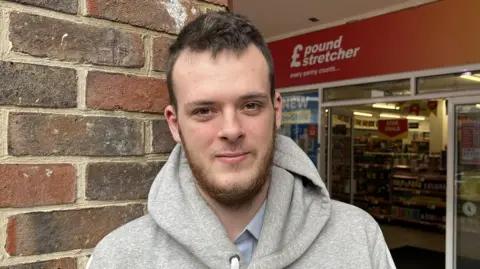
{"x": 4, "y": 40}
{"x": 4, "y": 132}
{"x": 21, "y": 58}
{"x": 148, "y": 137}
{"x": 9, "y": 211}
{"x": 93, "y": 113}
{"x": 157, "y": 74}
{"x": 81, "y": 182}
{"x": 81, "y": 159}
{"x": 82, "y": 8}
{"x": 148, "y": 49}
{"x": 82, "y": 262}
{"x": 3, "y": 237}
{"x": 205, "y": 6}
{"x": 15, "y": 260}
{"x": 91, "y": 21}
{"x": 81, "y": 88}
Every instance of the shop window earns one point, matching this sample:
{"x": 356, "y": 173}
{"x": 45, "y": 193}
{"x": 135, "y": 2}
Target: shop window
{"x": 450, "y": 82}
{"x": 300, "y": 121}
{"x": 368, "y": 91}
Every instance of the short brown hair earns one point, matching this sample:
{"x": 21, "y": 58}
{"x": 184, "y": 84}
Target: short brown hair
{"x": 217, "y": 32}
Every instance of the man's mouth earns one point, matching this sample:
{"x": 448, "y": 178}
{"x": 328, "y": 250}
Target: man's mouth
{"x": 232, "y": 157}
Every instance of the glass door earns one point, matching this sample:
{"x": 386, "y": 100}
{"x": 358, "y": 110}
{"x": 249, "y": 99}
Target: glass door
{"x": 463, "y": 195}
{"x": 340, "y": 154}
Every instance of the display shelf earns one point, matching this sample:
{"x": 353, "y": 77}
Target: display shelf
{"x": 418, "y": 191}
{"x": 404, "y": 176}
{"x": 412, "y": 190}
{"x": 401, "y": 154}
{"x": 430, "y": 177}
{"x": 472, "y": 198}
{"x": 395, "y": 218}
{"x": 422, "y": 222}
{"x": 379, "y": 216}
{"x": 340, "y": 136}
{"x": 402, "y": 167}
{"x": 433, "y": 177}
{"x": 372, "y": 200}
{"x": 422, "y": 204}
{"x": 376, "y": 165}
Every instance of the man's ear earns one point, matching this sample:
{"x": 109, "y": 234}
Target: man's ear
{"x": 172, "y": 119}
{"x": 277, "y": 106}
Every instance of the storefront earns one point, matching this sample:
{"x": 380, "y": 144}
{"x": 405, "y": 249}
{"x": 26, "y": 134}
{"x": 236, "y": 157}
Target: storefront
{"x": 388, "y": 109}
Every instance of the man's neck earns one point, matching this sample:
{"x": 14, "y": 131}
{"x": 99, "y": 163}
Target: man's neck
{"x": 236, "y": 219}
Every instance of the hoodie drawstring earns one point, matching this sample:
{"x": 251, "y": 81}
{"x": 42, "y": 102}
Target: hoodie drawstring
{"x": 235, "y": 262}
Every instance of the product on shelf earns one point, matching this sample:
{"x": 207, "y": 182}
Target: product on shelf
{"x": 399, "y": 182}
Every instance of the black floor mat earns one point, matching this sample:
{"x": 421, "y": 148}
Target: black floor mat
{"x": 417, "y": 258}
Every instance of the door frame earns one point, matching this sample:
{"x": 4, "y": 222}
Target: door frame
{"x": 451, "y": 221}
{"x": 331, "y": 112}
{"x": 453, "y": 98}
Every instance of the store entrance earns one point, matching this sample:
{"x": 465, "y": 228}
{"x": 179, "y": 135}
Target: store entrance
{"x": 390, "y": 160}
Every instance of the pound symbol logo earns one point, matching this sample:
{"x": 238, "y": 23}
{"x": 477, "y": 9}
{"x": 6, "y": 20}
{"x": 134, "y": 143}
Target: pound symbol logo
{"x": 295, "y": 56}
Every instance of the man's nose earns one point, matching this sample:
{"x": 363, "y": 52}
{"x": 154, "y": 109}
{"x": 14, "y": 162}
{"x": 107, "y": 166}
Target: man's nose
{"x": 232, "y": 128}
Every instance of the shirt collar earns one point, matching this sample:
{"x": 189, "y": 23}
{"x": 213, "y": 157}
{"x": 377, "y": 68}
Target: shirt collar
{"x": 255, "y": 225}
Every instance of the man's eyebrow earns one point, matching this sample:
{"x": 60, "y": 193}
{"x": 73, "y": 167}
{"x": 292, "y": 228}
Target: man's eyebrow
{"x": 254, "y": 95}
{"x": 246, "y": 97}
{"x": 199, "y": 103}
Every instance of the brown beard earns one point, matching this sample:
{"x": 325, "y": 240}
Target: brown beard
{"x": 236, "y": 195}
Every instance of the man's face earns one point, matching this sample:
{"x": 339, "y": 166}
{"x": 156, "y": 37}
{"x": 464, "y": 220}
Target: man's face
{"x": 226, "y": 121}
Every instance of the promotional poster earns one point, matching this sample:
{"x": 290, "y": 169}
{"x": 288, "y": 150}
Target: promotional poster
{"x": 300, "y": 121}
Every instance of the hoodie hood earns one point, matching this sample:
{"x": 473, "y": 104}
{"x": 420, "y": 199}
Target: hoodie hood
{"x": 298, "y": 207}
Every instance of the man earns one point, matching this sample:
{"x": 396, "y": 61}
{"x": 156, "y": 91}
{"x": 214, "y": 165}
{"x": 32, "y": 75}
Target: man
{"x": 233, "y": 194}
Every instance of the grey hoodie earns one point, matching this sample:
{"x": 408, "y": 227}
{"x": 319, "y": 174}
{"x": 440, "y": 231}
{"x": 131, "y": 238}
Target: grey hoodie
{"x": 302, "y": 227}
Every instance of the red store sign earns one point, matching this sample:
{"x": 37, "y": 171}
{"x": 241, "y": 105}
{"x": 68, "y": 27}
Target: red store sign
{"x": 435, "y": 35}
{"x": 396, "y": 129}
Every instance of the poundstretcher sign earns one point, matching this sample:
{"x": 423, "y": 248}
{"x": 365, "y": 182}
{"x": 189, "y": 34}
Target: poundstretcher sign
{"x": 435, "y": 35}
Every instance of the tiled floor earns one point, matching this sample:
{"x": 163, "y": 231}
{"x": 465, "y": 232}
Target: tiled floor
{"x": 397, "y": 236}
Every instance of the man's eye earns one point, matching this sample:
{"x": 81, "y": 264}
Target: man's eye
{"x": 252, "y": 106}
{"x": 202, "y": 112}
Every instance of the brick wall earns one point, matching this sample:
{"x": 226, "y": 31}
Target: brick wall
{"x": 82, "y": 135}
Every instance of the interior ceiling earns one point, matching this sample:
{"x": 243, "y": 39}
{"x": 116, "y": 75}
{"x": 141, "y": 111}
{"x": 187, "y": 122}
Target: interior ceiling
{"x": 278, "y": 19}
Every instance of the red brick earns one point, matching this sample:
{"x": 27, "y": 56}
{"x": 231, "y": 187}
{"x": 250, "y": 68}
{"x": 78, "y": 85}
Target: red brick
{"x": 36, "y": 184}
{"x": 65, "y": 263}
{"x": 66, "y": 6}
{"x": 52, "y": 134}
{"x": 37, "y": 85}
{"x": 160, "y": 53}
{"x": 69, "y": 41}
{"x": 126, "y": 92}
{"x": 162, "y": 140}
{"x": 120, "y": 181}
{"x": 55, "y": 231}
{"x": 218, "y": 2}
{"x": 160, "y": 15}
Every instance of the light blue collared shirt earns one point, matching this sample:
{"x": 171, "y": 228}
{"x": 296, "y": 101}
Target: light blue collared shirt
{"x": 248, "y": 239}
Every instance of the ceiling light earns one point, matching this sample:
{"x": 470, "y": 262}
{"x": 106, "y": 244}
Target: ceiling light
{"x": 477, "y": 105}
{"x": 391, "y": 116}
{"x": 386, "y": 106}
{"x": 362, "y": 114}
{"x": 470, "y": 76}
{"x": 416, "y": 117}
